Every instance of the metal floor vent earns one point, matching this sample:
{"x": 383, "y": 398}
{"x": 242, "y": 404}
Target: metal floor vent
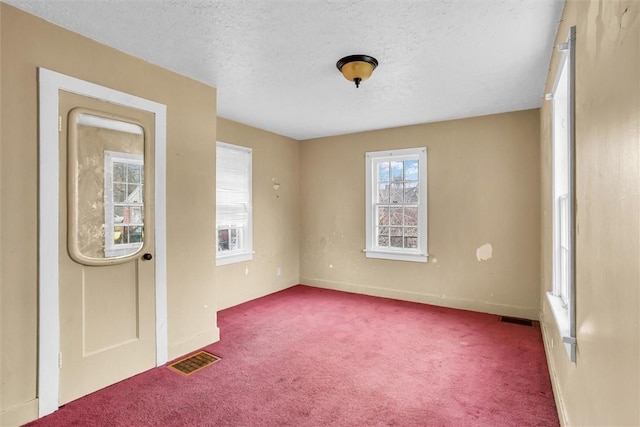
{"x": 518, "y": 321}
{"x": 194, "y": 363}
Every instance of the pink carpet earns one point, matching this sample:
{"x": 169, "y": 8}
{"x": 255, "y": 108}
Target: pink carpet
{"x": 313, "y": 357}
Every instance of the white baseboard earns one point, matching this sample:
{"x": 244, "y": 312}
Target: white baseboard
{"x": 557, "y": 395}
{"x": 193, "y": 343}
{"x": 19, "y": 414}
{"x": 281, "y": 286}
{"x": 463, "y": 304}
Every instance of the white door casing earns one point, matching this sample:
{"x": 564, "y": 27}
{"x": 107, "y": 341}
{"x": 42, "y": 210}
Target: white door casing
{"x": 50, "y": 83}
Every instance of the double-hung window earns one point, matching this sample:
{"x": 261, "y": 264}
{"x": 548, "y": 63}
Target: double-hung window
{"x": 396, "y": 210}
{"x": 233, "y": 204}
{"x": 123, "y": 203}
{"x": 562, "y": 297}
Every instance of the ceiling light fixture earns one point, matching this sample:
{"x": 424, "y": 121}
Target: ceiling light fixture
{"x": 357, "y": 68}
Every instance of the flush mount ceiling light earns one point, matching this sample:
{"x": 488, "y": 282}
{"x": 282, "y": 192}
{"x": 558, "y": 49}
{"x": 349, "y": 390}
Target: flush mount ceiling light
{"x": 357, "y": 68}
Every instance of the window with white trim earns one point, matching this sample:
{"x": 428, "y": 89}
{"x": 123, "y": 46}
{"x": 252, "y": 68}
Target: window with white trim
{"x": 123, "y": 203}
{"x": 233, "y": 204}
{"x": 396, "y": 204}
{"x": 562, "y": 297}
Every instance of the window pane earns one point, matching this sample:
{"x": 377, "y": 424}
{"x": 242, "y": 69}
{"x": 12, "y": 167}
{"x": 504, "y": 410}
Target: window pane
{"x": 134, "y": 193}
{"x": 136, "y": 215}
{"x": 564, "y": 220}
{"x": 411, "y": 170}
{"x": 135, "y": 234}
{"x": 383, "y": 241}
{"x": 397, "y": 171}
{"x": 383, "y": 231}
{"x": 126, "y": 215}
{"x": 383, "y": 193}
{"x": 411, "y": 231}
{"x": 396, "y": 242}
{"x": 118, "y": 214}
{"x": 133, "y": 173}
{"x": 397, "y": 189}
{"x": 383, "y": 172}
{"x": 233, "y": 239}
{"x": 223, "y": 239}
{"x": 411, "y": 242}
{"x": 119, "y": 172}
{"x": 119, "y": 193}
{"x": 396, "y": 215}
{"x": 125, "y": 235}
{"x": 383, "y": 215}
{"x": 118, "y": 235}
{"x": 396, "y": 231}
{"x": 411, "y": 215}
{"x": 564, "y": 275}
{"x": 411, "y": 192}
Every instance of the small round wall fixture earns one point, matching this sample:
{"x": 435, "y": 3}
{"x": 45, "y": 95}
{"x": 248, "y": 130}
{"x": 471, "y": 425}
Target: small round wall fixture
{"x": 357, "y": 68}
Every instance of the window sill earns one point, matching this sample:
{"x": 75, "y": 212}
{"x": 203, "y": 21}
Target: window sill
{"x": 563, "y": 323}
{"x": 232, "y": 259}
{"x": 395, "y": 256}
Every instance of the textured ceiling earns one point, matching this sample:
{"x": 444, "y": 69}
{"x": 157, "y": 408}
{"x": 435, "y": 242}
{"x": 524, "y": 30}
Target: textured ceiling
{"x": 273, "y": 62}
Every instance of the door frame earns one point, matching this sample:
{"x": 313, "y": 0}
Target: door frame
{"x": 50, "y": 83}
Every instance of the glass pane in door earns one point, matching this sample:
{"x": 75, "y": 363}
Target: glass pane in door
{"x": 106, "y": 187}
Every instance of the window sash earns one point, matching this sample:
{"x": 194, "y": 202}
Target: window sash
{"x": 233, "y": 203}
{"x": 562, "y": 297}
{"x": 396, "y": 184}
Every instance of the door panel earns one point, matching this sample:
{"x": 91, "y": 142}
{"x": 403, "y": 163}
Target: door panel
{"x": 107, "y": 302}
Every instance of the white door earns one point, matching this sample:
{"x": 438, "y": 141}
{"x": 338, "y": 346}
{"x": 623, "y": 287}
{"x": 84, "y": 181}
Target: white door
{"x": 106, "y": 244}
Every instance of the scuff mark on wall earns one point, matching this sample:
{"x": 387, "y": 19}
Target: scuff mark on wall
{"x": 484, "y": 252}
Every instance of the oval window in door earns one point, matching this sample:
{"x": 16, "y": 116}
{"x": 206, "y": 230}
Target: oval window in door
{"x": 106, "y": 186}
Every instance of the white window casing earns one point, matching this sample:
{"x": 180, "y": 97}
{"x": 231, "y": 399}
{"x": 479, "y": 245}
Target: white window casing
{"x": 233, "y": 204}
{"x": 396, "y": 204}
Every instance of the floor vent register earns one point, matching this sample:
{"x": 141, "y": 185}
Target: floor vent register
{"x": 194, "y": 363}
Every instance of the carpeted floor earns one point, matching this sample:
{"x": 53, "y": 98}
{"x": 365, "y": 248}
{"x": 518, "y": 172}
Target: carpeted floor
{"x": 314, "y": 357}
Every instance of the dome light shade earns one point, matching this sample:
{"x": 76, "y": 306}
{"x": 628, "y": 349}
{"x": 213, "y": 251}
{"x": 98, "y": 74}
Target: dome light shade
{"x": 357, "y": 68}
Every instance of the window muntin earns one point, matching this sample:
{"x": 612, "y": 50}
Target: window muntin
{"x": 396, "y": 205}
{"x": 233, "y": 204}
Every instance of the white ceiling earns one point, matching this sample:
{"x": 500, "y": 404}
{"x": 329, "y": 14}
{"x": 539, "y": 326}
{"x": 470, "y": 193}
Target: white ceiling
{"x": 273, "y": 61}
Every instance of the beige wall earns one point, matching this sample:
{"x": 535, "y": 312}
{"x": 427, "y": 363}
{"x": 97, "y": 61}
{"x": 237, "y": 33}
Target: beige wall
{"x": 483, "y": 187}
{"x": 603, "y": 386}
{"x": 276, "y": 227}
{"x": 27, "y": 43}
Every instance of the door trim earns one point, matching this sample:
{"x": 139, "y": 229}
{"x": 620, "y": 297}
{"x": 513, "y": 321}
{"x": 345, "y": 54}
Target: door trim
{"x": 50, "y": 82}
